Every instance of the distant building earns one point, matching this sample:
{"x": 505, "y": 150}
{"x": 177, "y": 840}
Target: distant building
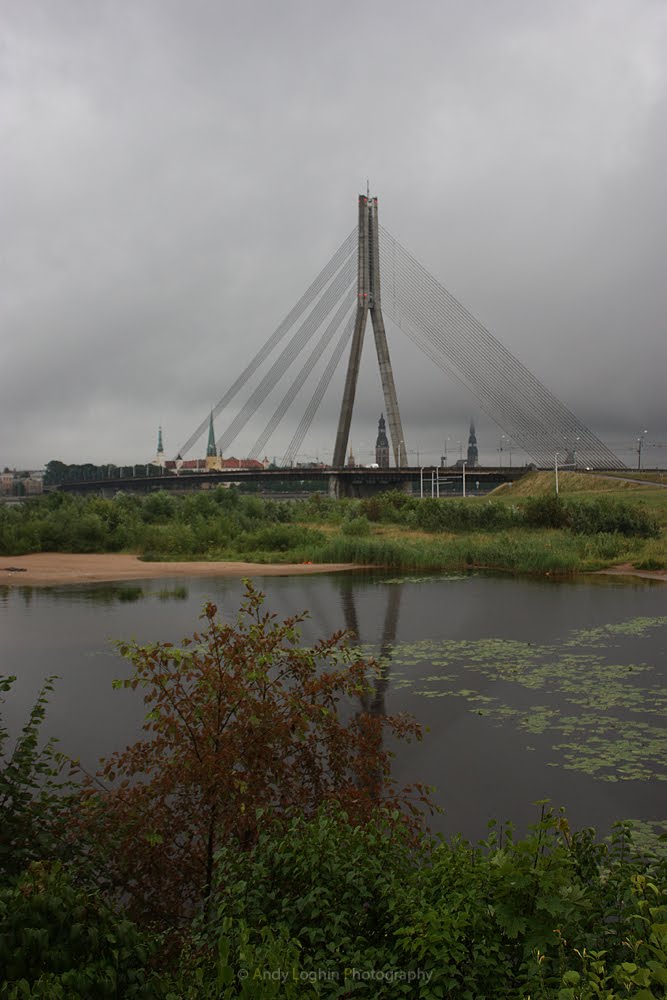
{"x": 213, "y": 462}
{"x": 19, "y": 483}
{"x": 212, "y": 457}
{"x": 382, "y": 445}
{"x": 159, "y": 455}
{"x": 473, "y": 456}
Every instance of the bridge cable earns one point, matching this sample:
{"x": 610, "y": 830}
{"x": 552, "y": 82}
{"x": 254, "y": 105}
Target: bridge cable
{"x": 299, "y": 381}
{"x": 511, "y": 395}
{"x": 321, "y": 310}
{"x": 347, "y": 247}
{"x": 535, "y": 396}
{"x": 319, "y": 392}
{"x": 480, "y": 354}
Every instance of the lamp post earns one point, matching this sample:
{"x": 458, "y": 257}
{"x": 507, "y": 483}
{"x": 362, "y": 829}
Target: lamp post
{"x": 464, "y": 478}
{"x": 444, "y": 459}
{"x": 640, "y": 442}
{"x": 500, "y": 449}
{"x": 563, "y": 465}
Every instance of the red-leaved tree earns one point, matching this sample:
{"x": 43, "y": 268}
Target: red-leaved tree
{"x": 244, "y": 728}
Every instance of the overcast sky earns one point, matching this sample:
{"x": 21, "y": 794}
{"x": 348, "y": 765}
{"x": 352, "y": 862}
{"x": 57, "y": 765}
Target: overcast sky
{"x": 174, "y": 173}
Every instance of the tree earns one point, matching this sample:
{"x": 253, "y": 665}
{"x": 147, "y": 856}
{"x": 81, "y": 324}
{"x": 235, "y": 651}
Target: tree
{"x": 244, "y": 730}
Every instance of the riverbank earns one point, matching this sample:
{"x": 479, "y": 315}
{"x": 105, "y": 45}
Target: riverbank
{"x": 53, "y": 568}
{"x": 43, "y": 569}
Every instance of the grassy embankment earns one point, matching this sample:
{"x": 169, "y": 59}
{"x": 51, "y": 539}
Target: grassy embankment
{"x": 596, "y": 522}
{"x": 511, "y": 542}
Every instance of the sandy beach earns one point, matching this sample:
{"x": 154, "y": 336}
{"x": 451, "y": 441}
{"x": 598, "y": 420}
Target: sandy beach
{"x": 43, "y": 569}
{"x": 50, "y": 568}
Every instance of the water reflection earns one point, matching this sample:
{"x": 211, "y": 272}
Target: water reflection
{"x": 374, "y": 702}
{"x": 101, "y": 594}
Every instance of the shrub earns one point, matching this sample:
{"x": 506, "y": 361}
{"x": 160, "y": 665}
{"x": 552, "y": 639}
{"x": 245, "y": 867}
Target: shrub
{"x": 356, "y": 527}
{"x": 596, "y": 515}
{"x": 243, "y": 727}
{"x": 546, "y": 511}
{"x": 279, "y": 538}
{"x": 58, "y": 941}
{"x": 327, "y": 883}
{"x": 31, "y": 820}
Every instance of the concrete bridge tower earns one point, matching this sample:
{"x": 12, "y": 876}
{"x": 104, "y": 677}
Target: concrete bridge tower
{"x": 368, "y": 301}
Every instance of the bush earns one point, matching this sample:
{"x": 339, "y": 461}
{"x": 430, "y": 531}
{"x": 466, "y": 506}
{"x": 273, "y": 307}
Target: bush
{"x": 594, "y": 516}
{"x": 58, "y": 941}
{"x": 243, "y": 727}
{"x": 356, "y": 527}
{"x": 327, "y": 883}
{"x": 31, "y": 820}
{"x": 463, "y": 515}
{"x": 546, "y": 511}
{"x": 279, "y": 538}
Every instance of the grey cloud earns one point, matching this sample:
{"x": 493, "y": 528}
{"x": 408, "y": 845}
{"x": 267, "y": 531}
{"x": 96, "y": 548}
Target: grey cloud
{"x": 175, "y": 174}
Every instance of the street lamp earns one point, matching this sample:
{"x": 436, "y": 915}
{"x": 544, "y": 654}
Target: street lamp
{"x": 444, "y": 458}
{"x": 464, "y": 478}
{"x": 564, "y": 465}
{"x": 500, "y": 449}
{"x": 640, "y": 442}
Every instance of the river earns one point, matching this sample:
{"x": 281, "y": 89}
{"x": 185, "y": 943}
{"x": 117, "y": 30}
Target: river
{"x": 530, "y": 689}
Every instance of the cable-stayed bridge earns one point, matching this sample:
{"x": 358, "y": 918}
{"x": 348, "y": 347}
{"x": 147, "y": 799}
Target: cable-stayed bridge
{"x": 371, "y": 274}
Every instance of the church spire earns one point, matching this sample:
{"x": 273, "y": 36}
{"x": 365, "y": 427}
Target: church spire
{"x": 473, "y": 454}
{"x": 211, "y": 451}
{"x": 159, "y": 455}
{"x": 382, "y": 445}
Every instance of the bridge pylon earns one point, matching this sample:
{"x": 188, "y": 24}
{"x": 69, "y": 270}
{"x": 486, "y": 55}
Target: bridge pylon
{"x": 368, "y": 300}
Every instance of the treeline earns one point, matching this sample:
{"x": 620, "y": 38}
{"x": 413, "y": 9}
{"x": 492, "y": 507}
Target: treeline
{"x": 56, "y": 472}
{"x": 254, "y": 845}
{"x": 224, "y": 524}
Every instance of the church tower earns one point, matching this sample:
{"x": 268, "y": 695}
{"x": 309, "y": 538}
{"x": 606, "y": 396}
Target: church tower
{"x": 212, "y": 460}
{"x": 159, "y": 457}
{"x": 382, "y": 445}
{"x": 473, "y": 457}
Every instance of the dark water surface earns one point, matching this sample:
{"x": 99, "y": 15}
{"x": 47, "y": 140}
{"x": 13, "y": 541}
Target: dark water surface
{"x": 530, "y": 689}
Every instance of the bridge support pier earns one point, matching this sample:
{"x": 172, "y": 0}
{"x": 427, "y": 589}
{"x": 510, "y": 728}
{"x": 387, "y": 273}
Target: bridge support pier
{"x": 368, "y": 301}
{"x": 351, "y": 488}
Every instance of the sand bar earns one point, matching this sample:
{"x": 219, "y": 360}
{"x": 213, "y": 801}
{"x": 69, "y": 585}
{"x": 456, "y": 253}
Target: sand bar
{"x": 50, "y": 568}
{"x": 44, "y": 569}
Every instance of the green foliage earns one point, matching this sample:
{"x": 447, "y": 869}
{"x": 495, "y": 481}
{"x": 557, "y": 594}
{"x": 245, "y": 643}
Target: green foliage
{"x": 356, "y": 527}
{"x": 279, "y": 538}
{"x": 59, "y": 941}
{"x": 241, "y": 962}
{"x": 554, "y": 915}
{"x": 546, "y": 511}
{"x": 31, "y": 821}
{"x": 591, "y": 516}
{"x": 327, "y": 883}
{"x": 602, "y": 514}
{"x": 542, "y": 534}
{"x": 463, "y": 515}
